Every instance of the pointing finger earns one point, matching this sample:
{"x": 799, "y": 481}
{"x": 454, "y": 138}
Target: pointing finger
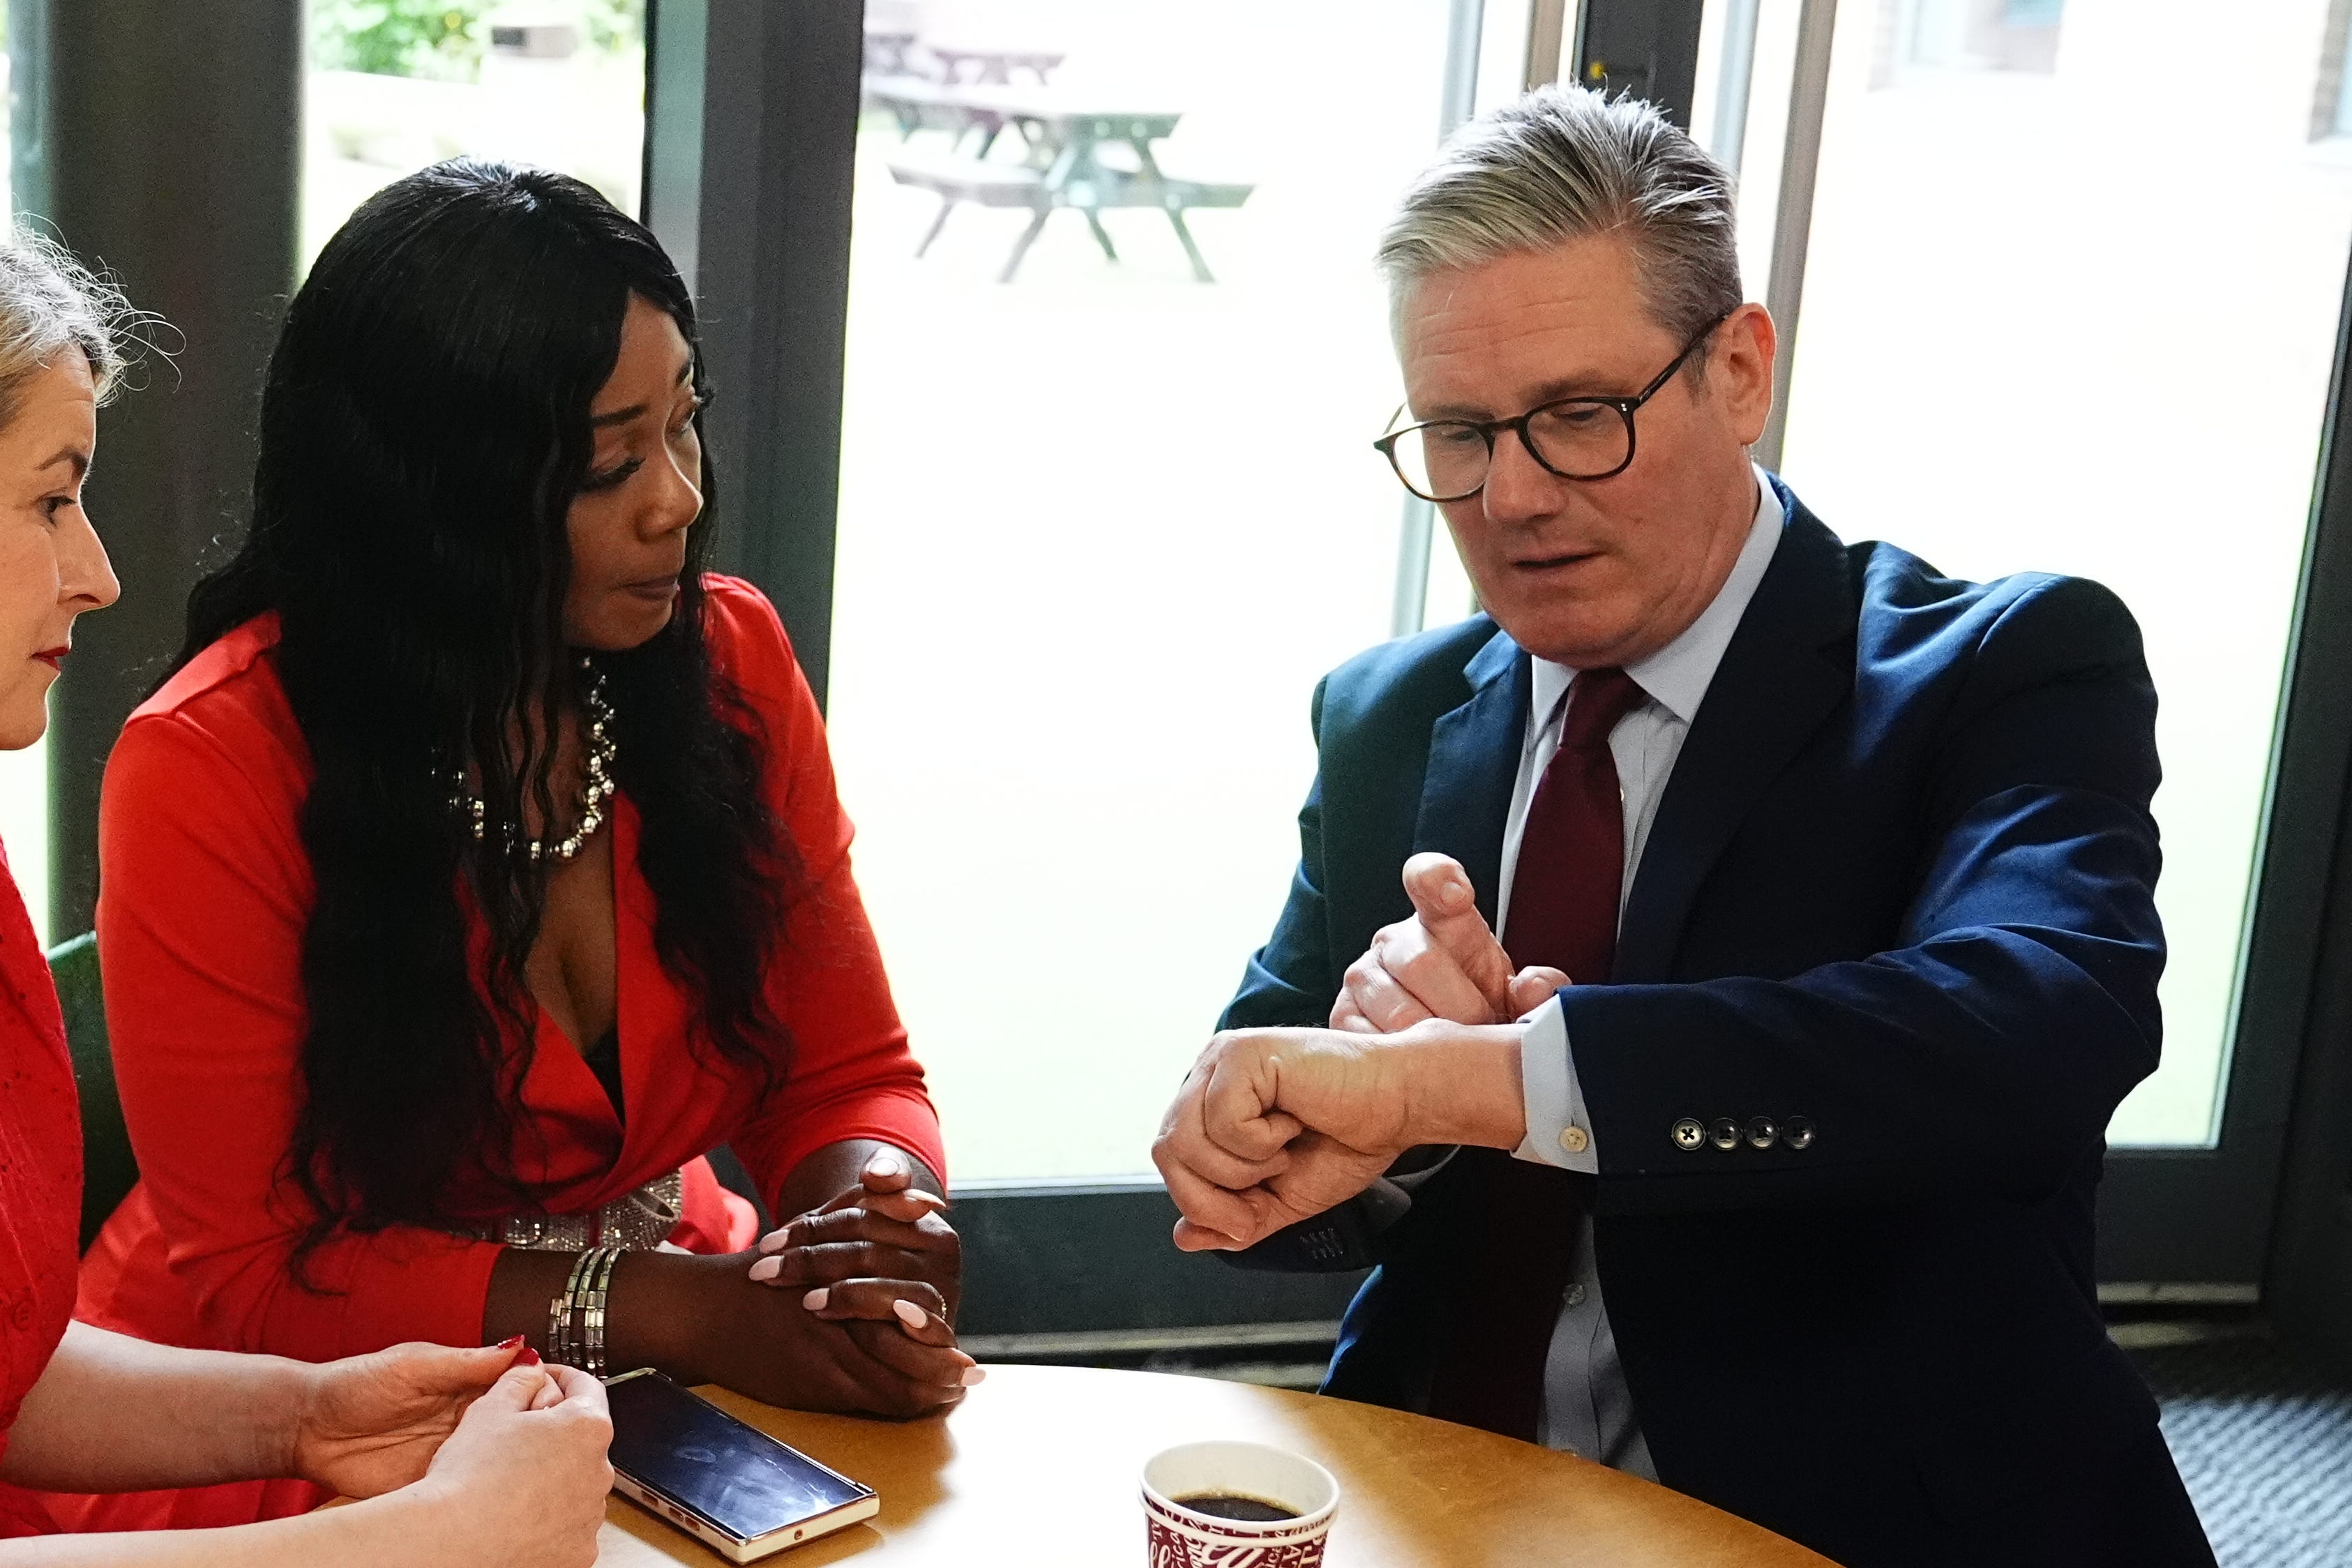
{"x": 1443, "y": 898}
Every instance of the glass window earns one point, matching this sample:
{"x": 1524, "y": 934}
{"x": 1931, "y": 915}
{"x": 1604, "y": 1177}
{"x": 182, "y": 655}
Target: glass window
{"x": 1979, "y": 35}
{"x": 2026, "y": 343}
{"x": 1104, "y": 525}
{"x": 396, "y": 85}
{"x": 2337, "y": 72}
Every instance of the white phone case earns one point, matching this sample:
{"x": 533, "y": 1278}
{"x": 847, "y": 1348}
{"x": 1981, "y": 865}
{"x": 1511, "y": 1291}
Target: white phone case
{"x": 728, "y": 1545}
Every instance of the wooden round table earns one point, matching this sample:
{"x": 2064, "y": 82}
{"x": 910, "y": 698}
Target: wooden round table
{"x": 1039, "y": 1468}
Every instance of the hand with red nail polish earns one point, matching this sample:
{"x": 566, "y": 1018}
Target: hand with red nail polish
{"x": 370, "y": 1424}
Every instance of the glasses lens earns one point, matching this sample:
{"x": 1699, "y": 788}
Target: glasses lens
{"x": 1581, "y": 440}
{"x": 1443, "y": 461}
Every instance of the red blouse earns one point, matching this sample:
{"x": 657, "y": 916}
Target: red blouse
{"x": 40, "y": 1179}
{"x": 206, "y": 893}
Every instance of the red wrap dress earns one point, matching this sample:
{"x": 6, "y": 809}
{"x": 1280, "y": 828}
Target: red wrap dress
{"x": 40, "y": 1181}
{"x": 206, "y": 895}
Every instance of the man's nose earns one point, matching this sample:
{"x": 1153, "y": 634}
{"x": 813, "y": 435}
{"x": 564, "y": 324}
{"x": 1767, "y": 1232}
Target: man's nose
{"x": 1517, "y": 487}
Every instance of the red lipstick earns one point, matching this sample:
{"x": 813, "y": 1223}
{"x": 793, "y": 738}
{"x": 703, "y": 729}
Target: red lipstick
{"x": 53, "y": 657}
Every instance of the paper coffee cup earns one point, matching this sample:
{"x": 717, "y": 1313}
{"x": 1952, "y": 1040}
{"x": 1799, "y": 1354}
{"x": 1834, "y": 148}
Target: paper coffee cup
{"x": 1178, "y": 1536}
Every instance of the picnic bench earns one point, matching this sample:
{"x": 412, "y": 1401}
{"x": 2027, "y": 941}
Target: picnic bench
{"x": 1062, "y": 167}
{"x": 991, "y": 66}
{"x": 917, "y": 103}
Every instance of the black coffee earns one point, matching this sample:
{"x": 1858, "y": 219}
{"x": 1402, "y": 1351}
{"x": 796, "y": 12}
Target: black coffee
{"x": 1231, "y": 1505}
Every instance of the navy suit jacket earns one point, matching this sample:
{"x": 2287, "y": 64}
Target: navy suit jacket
{"x": 1899, "y": 886}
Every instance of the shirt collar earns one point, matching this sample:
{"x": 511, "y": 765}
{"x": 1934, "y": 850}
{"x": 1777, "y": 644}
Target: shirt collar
{"x": 1678, "y": 674}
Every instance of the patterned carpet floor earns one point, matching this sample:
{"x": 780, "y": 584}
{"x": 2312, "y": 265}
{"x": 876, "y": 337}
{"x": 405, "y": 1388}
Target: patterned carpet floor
{"x": 2264, "y": 1442}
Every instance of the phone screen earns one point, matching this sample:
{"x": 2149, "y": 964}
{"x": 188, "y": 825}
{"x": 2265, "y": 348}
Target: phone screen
{"x": 736, "y": 1476}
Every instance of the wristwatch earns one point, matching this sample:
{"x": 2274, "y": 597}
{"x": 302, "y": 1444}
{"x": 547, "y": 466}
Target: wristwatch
{"x": 1339, "y": 1240}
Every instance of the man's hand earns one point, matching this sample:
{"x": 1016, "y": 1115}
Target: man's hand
{"x": 1442, "y": 962}
{"x": 1274, "y": 1126}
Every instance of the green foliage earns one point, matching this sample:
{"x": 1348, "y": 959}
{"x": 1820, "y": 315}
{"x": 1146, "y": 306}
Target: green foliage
{"x": 399, "y": 37}
{"x": 612, "y": 25}
{"x": 444, "y": 38}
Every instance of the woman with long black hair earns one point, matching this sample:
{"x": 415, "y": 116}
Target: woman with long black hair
{"x": 478, "y": 865}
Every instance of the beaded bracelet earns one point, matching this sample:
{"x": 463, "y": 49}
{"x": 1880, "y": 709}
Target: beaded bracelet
{"x": 559, "y": 1311}
{"x": 582, "y": 1343}
{"x": 593, "y": 1311}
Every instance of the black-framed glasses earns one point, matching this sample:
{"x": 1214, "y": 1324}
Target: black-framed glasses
{"x": 1574, "y": 437}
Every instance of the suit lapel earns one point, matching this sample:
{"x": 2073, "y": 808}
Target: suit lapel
{"x": 1782, "y": 675}
{"x": 1466, "y": 793}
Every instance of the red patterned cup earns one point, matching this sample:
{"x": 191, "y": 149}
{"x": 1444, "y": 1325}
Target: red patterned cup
{"x": 1180, "y": 1537}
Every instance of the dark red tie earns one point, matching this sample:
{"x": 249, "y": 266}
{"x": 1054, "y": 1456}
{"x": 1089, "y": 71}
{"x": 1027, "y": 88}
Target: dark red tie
{"x": 1564, "y": 899}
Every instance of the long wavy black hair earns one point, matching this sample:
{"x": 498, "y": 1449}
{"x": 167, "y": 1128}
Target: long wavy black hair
{"x": 424, "y": 429}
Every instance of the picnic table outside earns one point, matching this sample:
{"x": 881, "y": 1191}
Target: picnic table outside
{"x": 917, "y": 103}
{"x": 993, "y": 66}
{"x": 1064, "y": 137}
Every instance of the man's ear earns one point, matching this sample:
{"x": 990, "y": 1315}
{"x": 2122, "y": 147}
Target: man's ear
{"x": 1746, "y": 346}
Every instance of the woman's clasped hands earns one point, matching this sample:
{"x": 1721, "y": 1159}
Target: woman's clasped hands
{"x": 879, "y": 1266}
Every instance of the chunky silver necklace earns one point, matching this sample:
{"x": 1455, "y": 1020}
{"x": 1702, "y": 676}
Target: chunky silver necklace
{"x": 596, "y": 789}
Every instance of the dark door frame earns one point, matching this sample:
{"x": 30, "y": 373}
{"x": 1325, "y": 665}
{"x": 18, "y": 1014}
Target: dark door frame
{"x": 2307, "y": 1272}
{"x": 751, "y": 132}
{"x": 124, "y": 141}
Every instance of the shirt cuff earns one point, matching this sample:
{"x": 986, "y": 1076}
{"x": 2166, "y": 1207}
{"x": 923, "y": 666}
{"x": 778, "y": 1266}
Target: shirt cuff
{"x": 1559, "y": 1130}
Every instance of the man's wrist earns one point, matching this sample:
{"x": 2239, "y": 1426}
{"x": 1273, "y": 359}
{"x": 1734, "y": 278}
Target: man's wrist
{"x": 1460, "y": 1083}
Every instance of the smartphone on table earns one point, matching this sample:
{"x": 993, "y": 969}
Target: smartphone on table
{"x": 730, "y": 1486}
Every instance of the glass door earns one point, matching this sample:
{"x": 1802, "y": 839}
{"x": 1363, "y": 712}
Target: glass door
{"x": 1115, "y": 353}
{"x": 2064, "y": 309}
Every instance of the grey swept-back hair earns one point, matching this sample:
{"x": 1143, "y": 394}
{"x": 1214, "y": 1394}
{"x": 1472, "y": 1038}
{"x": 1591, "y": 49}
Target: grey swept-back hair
{"x": 48, "y": 302}
{"x": 1561, "y": 163}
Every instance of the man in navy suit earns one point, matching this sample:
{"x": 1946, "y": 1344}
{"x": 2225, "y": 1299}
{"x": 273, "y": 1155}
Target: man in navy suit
{"x": 1757, "y": 1154}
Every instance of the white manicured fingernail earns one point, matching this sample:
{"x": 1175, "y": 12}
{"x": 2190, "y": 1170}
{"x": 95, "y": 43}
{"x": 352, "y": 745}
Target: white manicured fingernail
{"x": 914, "y": 1316}
{"x": 973, "y": 1376}
{"x": 816, "y": 1299}
{"x": 882, "y": 1167}
{"x": 767, "y": 1268}
{"x": 775, "y": 1240}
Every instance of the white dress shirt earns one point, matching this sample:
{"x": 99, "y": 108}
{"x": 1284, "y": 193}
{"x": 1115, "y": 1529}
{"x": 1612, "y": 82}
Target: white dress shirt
{"x": 1587, "y": 1409}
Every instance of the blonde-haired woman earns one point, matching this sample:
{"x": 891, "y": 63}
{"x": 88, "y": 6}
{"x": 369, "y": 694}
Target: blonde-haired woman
{"x": 466, "y": 1456}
